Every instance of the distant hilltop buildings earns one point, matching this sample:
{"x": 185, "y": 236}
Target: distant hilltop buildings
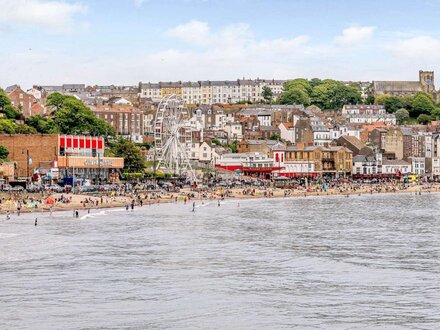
{"x": 209, "y": 92}
{"x": 399, "y": 88}
{"x": 212, "y": 92}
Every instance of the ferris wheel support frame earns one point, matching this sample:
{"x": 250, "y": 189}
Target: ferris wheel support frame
{"x": 172, "y": 136}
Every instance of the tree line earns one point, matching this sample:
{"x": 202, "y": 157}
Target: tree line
{"x": 326, "y": 94}
{"x": 421, "y": 107}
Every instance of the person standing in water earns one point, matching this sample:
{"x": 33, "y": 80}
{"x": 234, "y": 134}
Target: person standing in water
{"x": 8, "y": 216}
{"x": 194, "y": 206}
{"x": 36, "y": 220}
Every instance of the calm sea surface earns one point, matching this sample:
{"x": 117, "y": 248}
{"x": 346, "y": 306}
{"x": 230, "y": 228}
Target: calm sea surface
{"x": 333, "y": 262}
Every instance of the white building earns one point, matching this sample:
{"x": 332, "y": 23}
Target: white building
{"x": 337, "y": 131}
{"x": 191, "y": 92}
{"x": 234, "y": 130}
{"x": 211, "y": 92}
{"x": 365, "y": 165}
{"x": 264, "y": 116}
{"x": 435, "y": 166}
{"x": 321, "y": 133}
{"x": 418, "y": 165}
{"x": 396, "y": 167}
{"x": 287, "y": 132}
{"x": 367, "y": 114}
{"x": 151, "y": 91}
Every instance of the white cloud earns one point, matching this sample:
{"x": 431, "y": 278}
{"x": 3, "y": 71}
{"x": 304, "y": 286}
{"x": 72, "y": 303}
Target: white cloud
{"x": 421, "y": 48}
{"x": 193, "y": 32}
{"x": 138, "y": 3}
{"x": 354, "y": 35}
{"x": 56, "y": 16}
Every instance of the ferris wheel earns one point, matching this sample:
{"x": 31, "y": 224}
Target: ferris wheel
{"x": 172, "y": 136}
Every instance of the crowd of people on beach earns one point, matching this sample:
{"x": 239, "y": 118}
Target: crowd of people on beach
{"x": 148, "y": 194}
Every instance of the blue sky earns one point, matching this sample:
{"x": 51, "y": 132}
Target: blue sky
{"x": 124, "y": 42}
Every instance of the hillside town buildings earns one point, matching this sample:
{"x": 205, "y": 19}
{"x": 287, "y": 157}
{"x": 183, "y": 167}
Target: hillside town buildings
{"x": 298, "y": 141}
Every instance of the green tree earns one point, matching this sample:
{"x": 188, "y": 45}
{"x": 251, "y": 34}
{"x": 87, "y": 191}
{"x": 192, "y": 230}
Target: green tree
{"x": 391, "y": 103}
{"x": 295, "y": 96}
{"x": 333, "y": 94}
{"x": 315, "y": 82}
{"x": 43, "y": 125}
{"x": 133, "y": 159}
{"x": 6, "y": 106}
{"x": 73, "y": 117}
{"x": 424, "y": 119}
{"x": 4, "y": 153}
{"x": 407, "y": 101}
{"x": 56, "y": 100}
{"x": 370, "y": 99}
{"x": 402, "y": 115}
{"x": 298, "y": 83}
{"x": 24, "y": 129}
{"x": 267, "y": 93}
{"x": 422, "y": 104}
{"x": 7, "y": 126}
{"x": 275, "y": 137}
{"x": 233, "y": 147}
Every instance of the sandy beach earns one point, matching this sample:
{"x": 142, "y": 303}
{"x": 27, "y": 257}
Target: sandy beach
{"x": 37, "y": 202}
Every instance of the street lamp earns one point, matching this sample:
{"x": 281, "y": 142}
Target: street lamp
{"x": 28, "y": 163}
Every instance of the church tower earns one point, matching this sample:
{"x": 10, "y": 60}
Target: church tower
{"x": 426, "y": 79}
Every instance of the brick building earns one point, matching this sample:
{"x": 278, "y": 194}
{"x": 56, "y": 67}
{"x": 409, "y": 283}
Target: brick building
{"x": 24, "y": 102}
{"x": 302, "y": 160}
{"x": 127, "y": 121}
{"x": 82, "y": 156}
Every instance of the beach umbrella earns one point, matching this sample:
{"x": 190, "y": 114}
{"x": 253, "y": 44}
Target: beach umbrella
{"x": 9, "y": 203}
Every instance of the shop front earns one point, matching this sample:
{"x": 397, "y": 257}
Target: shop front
{"x": 93, "y": 169}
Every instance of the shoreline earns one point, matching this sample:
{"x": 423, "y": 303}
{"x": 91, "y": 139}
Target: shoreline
{"x": 77, "y": 201}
